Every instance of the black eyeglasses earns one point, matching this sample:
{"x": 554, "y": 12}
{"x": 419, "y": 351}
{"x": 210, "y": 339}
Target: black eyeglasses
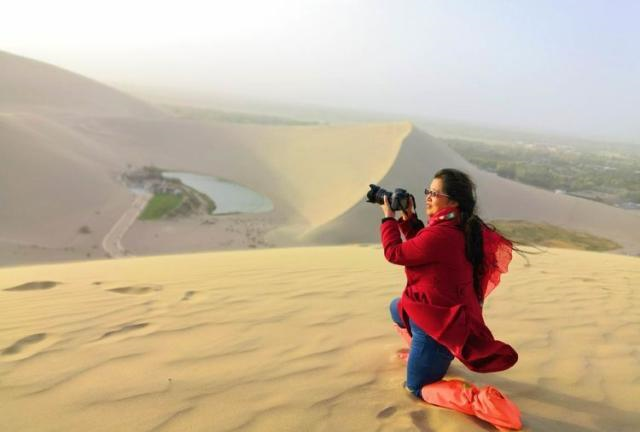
{"x": 434, "y": 194}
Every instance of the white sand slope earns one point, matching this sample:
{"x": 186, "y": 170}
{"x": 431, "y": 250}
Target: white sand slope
{"x": 321, "y": 169}
{"x": 299, "y": 339}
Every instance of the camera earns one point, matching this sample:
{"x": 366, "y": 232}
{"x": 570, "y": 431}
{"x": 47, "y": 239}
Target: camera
{"x": 398, "y": 199}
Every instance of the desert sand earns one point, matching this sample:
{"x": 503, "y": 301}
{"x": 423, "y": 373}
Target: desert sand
{"x": 299, "y": 339}
{"x": 279, "y": 338}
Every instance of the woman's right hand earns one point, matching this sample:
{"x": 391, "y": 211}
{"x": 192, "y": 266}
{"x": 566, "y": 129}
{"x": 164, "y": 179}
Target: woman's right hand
{"x": 409, "y": 212}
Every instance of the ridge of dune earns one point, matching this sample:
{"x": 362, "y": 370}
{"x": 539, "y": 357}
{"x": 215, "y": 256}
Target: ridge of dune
{"x": 421, "y": 155}
{"x": 32, "y": 85}
{"x": 300, "y": 339}
{"x": 321, "y": 168}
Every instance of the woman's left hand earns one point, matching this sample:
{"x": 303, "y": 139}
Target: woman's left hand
{"x": 386, "y": 209}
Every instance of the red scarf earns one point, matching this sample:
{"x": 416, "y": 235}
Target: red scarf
{"x": 497, "y": 249}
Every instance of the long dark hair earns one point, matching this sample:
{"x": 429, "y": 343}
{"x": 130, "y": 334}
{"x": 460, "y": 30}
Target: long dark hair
{"x": 461, "y": 189}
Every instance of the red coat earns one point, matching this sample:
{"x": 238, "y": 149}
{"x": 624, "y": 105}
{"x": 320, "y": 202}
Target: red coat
{"x": 439, "y": 295}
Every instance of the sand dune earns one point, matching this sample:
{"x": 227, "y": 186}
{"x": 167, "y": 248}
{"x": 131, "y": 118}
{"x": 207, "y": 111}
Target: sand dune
{"x": 422, "y": 155}
{"x": 321, "y": 170}
{"x": 312, "y": 172}
{"x": 75, "y": 137}
{"x": 318, "y": 176}
{"x": 82, "y": 160}
{"x": 55, "y": 178}
{"x": 30, "y": 85}
{"x": 299, "y": 339}
{"x": 67, "y": 139}
{"x": 56, "y": 181}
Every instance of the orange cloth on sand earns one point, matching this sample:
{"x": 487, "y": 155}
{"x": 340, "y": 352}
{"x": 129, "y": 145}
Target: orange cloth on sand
{"x": 486, "y": 403}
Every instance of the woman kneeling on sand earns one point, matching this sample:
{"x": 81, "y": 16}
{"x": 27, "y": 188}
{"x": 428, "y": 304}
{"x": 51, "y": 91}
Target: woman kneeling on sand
{"x": 451, "y": 266}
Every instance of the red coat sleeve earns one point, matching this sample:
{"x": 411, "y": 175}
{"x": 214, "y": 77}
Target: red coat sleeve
{"x": 411, "y": 226}
{"x": 421, "y": 249}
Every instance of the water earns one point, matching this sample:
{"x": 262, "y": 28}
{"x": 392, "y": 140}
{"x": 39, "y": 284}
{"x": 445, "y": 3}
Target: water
{"x": 229, "y": 197}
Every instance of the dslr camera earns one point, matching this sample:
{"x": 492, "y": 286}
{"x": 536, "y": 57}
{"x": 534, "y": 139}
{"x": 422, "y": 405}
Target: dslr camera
{"x": 398, "y": 199}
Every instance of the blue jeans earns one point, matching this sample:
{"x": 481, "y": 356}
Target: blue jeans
{"x": 428, "y": 359}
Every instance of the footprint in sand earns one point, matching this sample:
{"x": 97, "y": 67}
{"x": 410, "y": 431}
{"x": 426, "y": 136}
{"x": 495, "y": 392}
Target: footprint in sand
{"x": 19, "y": 345}
{"x": 187, "y": 295}
{"x": 419, "y": 419}
{"x": 124, "y": 329}
{"x": 387, "y": 412}
{"x": 31, "y": 286}
{"x": 137, "y": 289}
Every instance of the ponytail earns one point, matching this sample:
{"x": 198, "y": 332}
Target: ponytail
{"x": 474, "y": 249}
{"x": 461, "y": 189}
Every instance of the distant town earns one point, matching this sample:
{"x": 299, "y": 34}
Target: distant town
{"x": 607, "y": 174}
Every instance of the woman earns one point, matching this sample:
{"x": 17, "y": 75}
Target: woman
{"x": 451, "y": 266}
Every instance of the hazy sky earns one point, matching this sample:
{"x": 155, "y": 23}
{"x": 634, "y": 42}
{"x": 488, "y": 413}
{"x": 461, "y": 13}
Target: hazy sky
{"x": 564, "y": 66}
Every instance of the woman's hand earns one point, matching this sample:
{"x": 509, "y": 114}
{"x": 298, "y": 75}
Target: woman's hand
{"x": 406, "y": 214}
{"x": 386, "y": 209}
